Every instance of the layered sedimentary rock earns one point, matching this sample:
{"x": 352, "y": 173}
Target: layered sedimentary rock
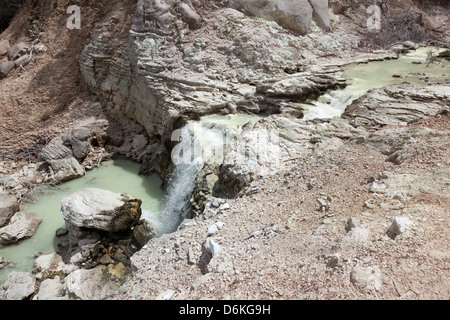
{"x": 398, "y": 105}
{"x": 200, "y": 58}
{"x": 101, "y": 210}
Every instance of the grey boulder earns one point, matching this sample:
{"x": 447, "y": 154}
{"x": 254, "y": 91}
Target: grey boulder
{"x": 5, "y": 68}
{"x": 8, "y": 207}
{"x": 61, "y": 162}
{"x": 101, "y": 210}
{"x": 23, "y": 225}
{"x": 17, "y": 286}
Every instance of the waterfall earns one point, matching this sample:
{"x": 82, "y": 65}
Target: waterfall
{"x": 198, "y": 142}
{"x": 331, "y": 104}
{"x": 187, "y": 163}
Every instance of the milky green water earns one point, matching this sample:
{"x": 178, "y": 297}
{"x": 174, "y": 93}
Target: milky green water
{"x": 119, "y": 176}
{"x": 375, "y": 75}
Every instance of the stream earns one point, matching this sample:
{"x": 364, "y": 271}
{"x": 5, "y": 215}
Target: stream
{"x": 167, "y": 210}
{"x": 373, "y": 75}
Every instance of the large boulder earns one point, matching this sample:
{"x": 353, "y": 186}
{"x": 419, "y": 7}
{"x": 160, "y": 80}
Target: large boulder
{"x": 61, "y": 162}
{"x": 8, "y": 207}
{"x": 48, "y": 264}
{"x": 22, "y": 226}
{"x": 79, "y": 140}
{"x": 17, "y": 286}
{"x": 5, "y": 68}
{"x": 321, "y": 14}
{"x": 51, "y": 289}
{"x": 295, "y": 15}
{"x": 17, "y": 50}
{"x": 101, "y": 210}
{"x": 92, "y": 284}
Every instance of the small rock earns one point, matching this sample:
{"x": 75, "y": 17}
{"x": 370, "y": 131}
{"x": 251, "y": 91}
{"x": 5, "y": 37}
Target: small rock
{"x": 398, "y": 226}
{"x": 90, "y": 284}
{"x": 219, "y": 224}
{"x": 212, "y": 247}
{"x": 225, "y": 206}
{"x": 392, "y": 205}
{"x": 51, "y": 289}
{"x": 191, "y": 256}
{"x": 322, "y": 202}
{"x": 8, "y": 207}
{"x": 4, "y": 46}
{"x": 360, "y": 140}
{"x": 47, "y": 264}
{"x": 212, "y": 230}
{"x": 410, "y": 45}
{"x": 215, "y": 203}
{"x": 143, "y": 232}
{"x": 192, "y": 18}
{"x": 61, "y": 231}
{"x": 311, "y": 183}
{"x": 376, "y": 187}
{"x": 17, "y": 50}
{"x": 351, "y": 224}
{"x": 366, "y": 278}
{"x": 23, "y": 225}
{"x": 22, "y": 61}
{"x": 166, "y": 295}
{"x": 333, "y": 261}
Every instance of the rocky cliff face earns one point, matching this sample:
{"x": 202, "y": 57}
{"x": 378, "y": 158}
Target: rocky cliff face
{"x": 203, "y": 57}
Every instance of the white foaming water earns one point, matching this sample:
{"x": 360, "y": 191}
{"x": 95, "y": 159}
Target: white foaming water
{"x": 180, "y": 184}
{"x": 198, "y": 142}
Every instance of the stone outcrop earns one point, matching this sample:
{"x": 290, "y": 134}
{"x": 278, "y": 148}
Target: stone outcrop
{"x": 157, "y": 73}
{"x": 101, "y": 226}
{"x": 22, "y": 226}
{"x": 398, "y": 105}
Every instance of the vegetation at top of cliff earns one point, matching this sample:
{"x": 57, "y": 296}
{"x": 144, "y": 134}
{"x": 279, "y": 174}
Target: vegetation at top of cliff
{"x": 398, "y": 25}
{"x": 8, "y": 8}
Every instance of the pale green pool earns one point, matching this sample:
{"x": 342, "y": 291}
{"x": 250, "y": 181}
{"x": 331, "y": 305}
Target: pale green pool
{"x": 119, "y": 176}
